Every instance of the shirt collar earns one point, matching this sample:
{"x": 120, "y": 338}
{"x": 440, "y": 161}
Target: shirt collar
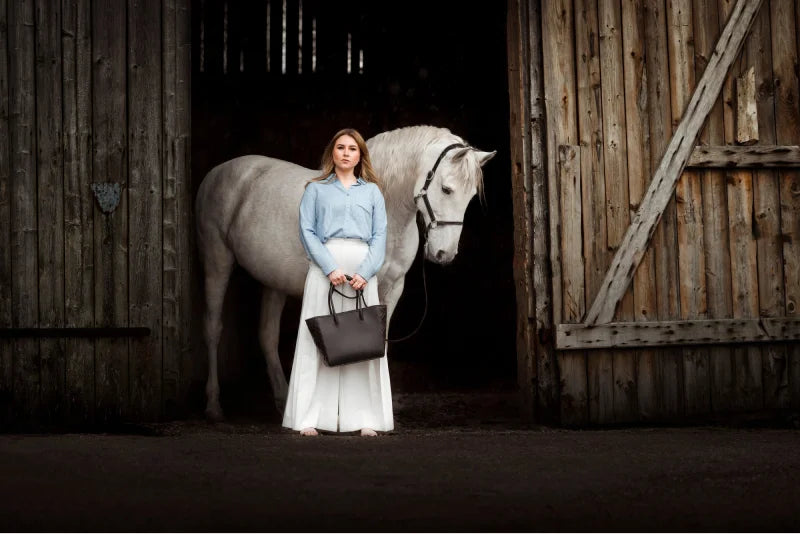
{"x": 332, "y": 176}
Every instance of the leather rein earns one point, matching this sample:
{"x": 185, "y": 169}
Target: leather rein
{"x": 433, "y": 222}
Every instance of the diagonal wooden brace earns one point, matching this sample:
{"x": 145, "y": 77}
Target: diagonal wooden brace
{"x": 662, "y": 185}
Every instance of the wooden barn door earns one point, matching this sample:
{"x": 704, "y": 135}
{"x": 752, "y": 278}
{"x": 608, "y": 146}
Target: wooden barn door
{"x": 671, "y": 238}
{"x": 94, "y": 246}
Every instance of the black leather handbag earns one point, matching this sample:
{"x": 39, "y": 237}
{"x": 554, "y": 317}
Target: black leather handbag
{"x": 351, "y": 336}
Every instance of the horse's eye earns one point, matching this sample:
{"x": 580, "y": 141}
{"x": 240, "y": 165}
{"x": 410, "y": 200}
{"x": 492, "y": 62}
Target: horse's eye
{"x": 446, "y": 190}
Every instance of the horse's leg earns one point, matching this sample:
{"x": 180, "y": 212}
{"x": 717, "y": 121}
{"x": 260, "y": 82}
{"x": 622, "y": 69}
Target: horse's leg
{"x": 391, "y": 295}
{"x": 217, "y": 269}
{"x": 272, "y": 302}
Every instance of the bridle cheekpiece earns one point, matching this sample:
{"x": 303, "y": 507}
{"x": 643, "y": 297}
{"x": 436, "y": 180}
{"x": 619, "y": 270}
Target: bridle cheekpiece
{"x": 423, "y": 193}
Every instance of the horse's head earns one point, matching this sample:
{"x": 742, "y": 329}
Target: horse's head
{"x": 443, "y": 193}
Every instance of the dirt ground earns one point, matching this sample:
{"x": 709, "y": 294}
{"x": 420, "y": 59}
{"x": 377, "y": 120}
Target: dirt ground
{"x": 449, "y": 465}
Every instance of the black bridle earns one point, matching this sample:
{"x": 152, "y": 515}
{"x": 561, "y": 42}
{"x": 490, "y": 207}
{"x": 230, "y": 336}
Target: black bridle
{"x": 433, "y": 222}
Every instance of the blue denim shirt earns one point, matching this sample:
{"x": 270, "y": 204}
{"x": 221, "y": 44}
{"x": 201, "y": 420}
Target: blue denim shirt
{"x": 329, "y": 209}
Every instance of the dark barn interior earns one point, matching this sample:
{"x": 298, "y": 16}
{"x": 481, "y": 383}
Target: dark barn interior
{"x": 277, "y": 78}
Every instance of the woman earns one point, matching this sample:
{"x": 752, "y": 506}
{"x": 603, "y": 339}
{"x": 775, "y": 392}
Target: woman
{"x": 343, "y": 230}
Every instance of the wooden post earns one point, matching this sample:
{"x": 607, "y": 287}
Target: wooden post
{"x": 547, "y": 377}
{"x": 519, "y": 94}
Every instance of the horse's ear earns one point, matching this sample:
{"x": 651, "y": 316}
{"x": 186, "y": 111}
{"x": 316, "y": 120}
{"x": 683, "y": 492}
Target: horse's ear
{"x": 460, "y": 153}
{"x": 483, "y": 157}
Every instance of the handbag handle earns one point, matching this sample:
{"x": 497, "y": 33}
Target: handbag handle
{"x": 359, "y": 299}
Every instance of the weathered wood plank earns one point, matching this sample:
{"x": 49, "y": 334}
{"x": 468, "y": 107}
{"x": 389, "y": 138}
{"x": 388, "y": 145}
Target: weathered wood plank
{"x": 746, "y": 110}
{"x": 546, "y": 365}
{"x": 746, "y": 378}
{"x": 727, "y": 156}
{"x": 698, "y": 374}
{"x": 189, "y": 283}
{"x": 593, "y": 198}
{"x": 519, "y": 94}
{"x": 777, "y": 64}
{"x": 50, "y": 203}
{"x": 788, "y": 127}
{"x": 569, "y": 168}
{"x": 109, "y": 164}
{"x": 24, "y": 224}
{"x": 689, "y": 196}
{"x": 723, "y": 390}
{"x": 559, "y": 92}
{"x": 691, "y": 260}
{"x": 638, "y": 130}
{"x": 78, "y": 219}
{"x": 590, "y": 135}
{"x": 766, "y": 219}
{"x": 668, "y": 333}
{"x": 172, "y": 277}
{"x": 668, "y": 379}
{"x": 575, "y": 367}
{"x": 6, "y": 347}
{"x": 617, "y": 203}
{"x": 144, "y": 204}
{"x": 591, "y": 381}
{"x": 663, "y": 183}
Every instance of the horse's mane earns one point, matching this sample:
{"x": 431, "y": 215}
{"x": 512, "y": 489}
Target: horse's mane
{"x": 392, "y": 150}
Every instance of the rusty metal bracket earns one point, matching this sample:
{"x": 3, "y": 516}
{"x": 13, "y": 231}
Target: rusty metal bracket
{"x": 107, "y": 195}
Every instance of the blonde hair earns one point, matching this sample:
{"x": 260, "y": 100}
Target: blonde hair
{"x": 363, "y": 169}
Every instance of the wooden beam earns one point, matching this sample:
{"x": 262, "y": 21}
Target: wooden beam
{"x": 664, "y": 333}
{"x": 759, "y": 156}
{"x": 662, "y": 185}
{"x": 76, "y": 331}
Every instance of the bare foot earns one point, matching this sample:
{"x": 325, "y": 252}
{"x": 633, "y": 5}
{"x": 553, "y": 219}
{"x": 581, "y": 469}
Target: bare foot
{"x": 309, "y": 432}
{"x": 368, "y": 432}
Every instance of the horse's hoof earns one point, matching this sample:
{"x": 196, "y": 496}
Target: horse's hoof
{"x": 215, "y": 415}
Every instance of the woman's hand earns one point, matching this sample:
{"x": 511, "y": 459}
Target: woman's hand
{"x": 337, "y": 277}
{"x": 358, "y": 282}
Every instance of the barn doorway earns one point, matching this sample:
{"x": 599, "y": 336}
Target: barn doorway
{"x": 278, "y": 77}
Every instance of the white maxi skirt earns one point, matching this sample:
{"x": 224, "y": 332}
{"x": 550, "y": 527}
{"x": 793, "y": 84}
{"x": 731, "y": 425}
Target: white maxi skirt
{"x": 343, "y": 398}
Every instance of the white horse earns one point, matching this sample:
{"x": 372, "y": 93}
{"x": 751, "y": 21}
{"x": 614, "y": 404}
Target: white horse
{"x": 247, "y": 212}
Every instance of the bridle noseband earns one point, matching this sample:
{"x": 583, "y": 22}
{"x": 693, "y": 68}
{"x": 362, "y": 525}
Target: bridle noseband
{"x": 423, "y": 193}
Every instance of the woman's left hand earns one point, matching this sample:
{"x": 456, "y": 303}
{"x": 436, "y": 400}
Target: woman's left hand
{"x": 358, "y": 282}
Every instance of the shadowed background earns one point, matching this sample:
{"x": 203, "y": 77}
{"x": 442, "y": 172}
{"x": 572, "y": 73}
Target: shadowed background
{"x": 412, "y": 63}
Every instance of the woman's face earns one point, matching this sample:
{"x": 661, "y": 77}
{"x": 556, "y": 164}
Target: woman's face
{"x": 345, "y": 153}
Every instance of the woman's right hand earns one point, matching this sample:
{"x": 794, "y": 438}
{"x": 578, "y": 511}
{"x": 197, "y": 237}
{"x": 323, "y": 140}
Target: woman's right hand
{"x": 337, "y": 277}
